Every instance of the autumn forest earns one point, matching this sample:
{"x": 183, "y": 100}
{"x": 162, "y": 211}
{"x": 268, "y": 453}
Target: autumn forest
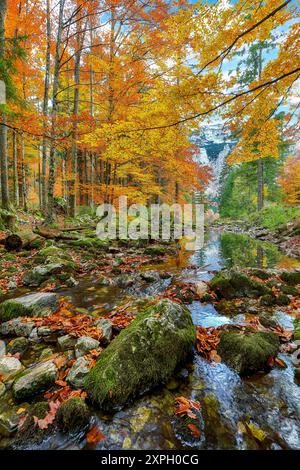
{"x": 141, "y": 343}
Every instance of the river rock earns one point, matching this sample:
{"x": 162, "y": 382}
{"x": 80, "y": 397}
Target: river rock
{"x": 84, "y": 345}
{"x": 17, "y": 327}
{"x": 9, "y": 420}
{"x": 106, "y": 329}
{"x": 35, "y": 380}
{"x": 38, "y": 304}
{"x": 18, "y": 345}
{"x": 78, "y": 372}
{"x": 9, "y": 367}
{"x": 247, "y": 353}
{"x": 150, "y": 276}
{"x": 66, "y": 342}
{"x": 230, "y": 284}
{"x": 144, "y": 355}
{"x": 201, "y": 288}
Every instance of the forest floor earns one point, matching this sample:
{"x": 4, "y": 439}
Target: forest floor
{"x": 71, "y": 302}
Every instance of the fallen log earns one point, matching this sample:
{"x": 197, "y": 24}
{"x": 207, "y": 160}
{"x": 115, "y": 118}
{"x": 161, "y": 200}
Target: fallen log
{"x": 53, "y": 233}
{"x": 22, "y": 240}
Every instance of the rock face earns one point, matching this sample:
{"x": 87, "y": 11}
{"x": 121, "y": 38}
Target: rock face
{"x": 230, "y": 284}
{"x": 9, "y": 367}
{"x": 247, "y": 353}
{"x": 144, "y": 355}
{"x": 40, "y": 304}
{"x": 34, "y": 381}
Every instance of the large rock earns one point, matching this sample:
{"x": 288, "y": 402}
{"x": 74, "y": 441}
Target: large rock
{"x": 249, "y": 352}
{"x": 38, "y": 304}
{"x": 78, "y": 372}
{"x": 34, "y": 381}
{"x": 230, "y": 284}
{"x": 9, "y": 367}
{"x": 39, "y": 274}
{"x": 73, "y": 415}
{"x": 144, "y": 355}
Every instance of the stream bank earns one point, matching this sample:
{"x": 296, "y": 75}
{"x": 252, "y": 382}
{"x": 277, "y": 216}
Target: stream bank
{"x": 242, "y": 412}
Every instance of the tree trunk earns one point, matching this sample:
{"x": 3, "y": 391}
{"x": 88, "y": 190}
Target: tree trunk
{"x": 3, "y": 128}
{"x": 260, "y": 184}
{"x": 51, "y": 181}
{"x": 20, "y": 240}
{"x": 15, "y": 171}
{"x": 45, "y": 111}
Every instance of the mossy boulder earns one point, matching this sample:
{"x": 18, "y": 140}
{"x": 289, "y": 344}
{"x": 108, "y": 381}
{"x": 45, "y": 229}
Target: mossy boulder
{"x": 247, "y": 353}
{"x": 34, "y": 381}
{"x": 143, "y": 356}
{"x": 39, "y": 304}
{"x": 292, "y": 278}
{"x": 230, "y": 284}
{"x": 72, "y": 415}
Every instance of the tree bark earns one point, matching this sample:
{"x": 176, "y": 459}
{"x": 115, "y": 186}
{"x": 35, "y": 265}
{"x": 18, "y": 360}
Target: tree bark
{"x": 3, "y": 128}
{"x": 45, "y": 112}
{"x": 51, "y": 181}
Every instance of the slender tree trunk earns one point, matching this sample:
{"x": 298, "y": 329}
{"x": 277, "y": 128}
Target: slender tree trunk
{"x": 260, "y": 163}
{"x": 51, "y": 181}
{"x": 45, "y": 112}
{"x": 3, "y": 128}
{"x": 260, "y": 184}
{"x": 23, "y": 175}
{"x": 15, "y": 171}
{"x": 74, "y": 151}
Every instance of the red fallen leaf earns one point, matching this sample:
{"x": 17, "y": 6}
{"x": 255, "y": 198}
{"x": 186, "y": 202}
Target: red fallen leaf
{"x": 50, "y": 416}
{"x": 280, "y": 362}
{"x": 194, "y": 430}
{"x": 94, "y": 435}
{"x": 62, "y": 383}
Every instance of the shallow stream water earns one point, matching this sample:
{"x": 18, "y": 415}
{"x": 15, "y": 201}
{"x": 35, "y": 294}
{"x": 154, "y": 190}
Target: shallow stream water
{"x": 270, "y": 402}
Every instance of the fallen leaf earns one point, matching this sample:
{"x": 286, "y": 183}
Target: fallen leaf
{"x": 94, "y": 435}
{"x": 194, "y": 430}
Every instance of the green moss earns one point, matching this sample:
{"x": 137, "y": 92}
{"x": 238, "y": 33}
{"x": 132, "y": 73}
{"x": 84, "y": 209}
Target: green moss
{"x": 267, "y": 300}
{"x": 262, "y": 274}
{"x": 247, "y": 353}
{"x": 292, "y": 278}
{"x": 155, "y": 250}
{"x": 289, "y": 290}
{"x": 228, "y": 308}
{"x": 206, "y": 297}
{"x": 232, "y": 284}
{"x": 72, "y": 415}
{"x": 89, "y": 243}
{"x": 10, "y": 309}
{"x": 144, "y": 355}
{"x": 282, "y": 299}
